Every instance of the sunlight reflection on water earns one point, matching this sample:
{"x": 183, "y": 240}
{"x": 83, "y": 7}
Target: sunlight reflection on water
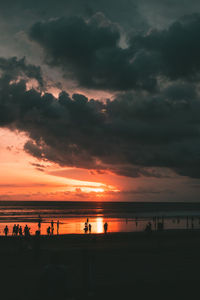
{"x": 75, "y": 225}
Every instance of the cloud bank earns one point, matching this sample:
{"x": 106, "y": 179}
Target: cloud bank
{"x": 134, "y": 134}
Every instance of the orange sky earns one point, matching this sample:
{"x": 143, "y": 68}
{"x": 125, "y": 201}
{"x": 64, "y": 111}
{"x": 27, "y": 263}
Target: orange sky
{"x": 22, "y": 178}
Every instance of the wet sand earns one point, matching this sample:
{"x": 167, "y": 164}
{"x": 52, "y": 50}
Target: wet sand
{"x": 164, "y": 265}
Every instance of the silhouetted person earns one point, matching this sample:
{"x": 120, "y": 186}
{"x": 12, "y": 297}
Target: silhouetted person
{"x": 87, "y": 220}
{"x": 52, "y": 224}
{"x": 26, "y": 231}
{"x": 20, "y": 231}
{"x": 17, "y": 229}
{"x": 105, "y": 227}
{"x": 48, "y": 231}
{"x": 90, "y": 228}
{"x": 6, "y": 230}
{"x": 58, "y": 223}
{"x": 14, "y": 230}
{"x": 52, "y": 227}
{"x": 39, "y": 222}
{"x": 86, "y": 228}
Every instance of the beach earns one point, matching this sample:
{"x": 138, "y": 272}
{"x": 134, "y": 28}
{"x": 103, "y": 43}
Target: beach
{"x": 112, "y": 266}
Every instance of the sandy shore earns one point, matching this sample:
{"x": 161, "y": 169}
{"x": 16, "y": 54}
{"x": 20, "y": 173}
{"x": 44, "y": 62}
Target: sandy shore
{"x": 112, "y": 266}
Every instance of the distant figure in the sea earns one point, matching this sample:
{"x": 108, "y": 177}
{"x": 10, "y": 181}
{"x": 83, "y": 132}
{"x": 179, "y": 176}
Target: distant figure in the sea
{"x": 86, "y": 228}
{"x": 87, "y": 220}
{"x": 37, "y": 233}
{"x": 6, "y": 230}
{"x": 58, "y": 223}
{"x": 105, "y": 227}
{"x": 39, "y": 222}
{"x": 49, "y": 231}
{"x": 90, "y": 228}
{"x": 52, "y": 227}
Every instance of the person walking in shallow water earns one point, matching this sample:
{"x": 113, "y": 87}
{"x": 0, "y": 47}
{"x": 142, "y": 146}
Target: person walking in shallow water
{"x": 58, "y": 223}
{"x": 48, "y": 231}
{"x": 90, "y": 228}
{"x": 39, "y": 222}
{"x": 86, "y": 228}
{"x": 52, "y": 227}
{"x": 105, "y": 227}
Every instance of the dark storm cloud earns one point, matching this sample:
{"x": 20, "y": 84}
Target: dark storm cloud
{"x": 89, "y": 52}
{"x": 177, "y": 48}
{"x": 124, "y": 12}
{"x": 132, "y": 135}
{"x": 12, "y": 68}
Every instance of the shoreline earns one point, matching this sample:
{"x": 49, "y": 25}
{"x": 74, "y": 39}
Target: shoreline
{"x": 165, "y": 232}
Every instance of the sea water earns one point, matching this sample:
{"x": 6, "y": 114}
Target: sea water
{"x": 121, "y": 217}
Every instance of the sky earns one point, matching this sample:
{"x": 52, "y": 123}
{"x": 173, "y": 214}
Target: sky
{"x": 100, "y": 100}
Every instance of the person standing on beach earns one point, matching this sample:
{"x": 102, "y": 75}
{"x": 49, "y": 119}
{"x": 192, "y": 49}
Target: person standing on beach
{"x": 6, "y": 230}
{"x": 14, "y": 230}
{"x": 20, "y": 231}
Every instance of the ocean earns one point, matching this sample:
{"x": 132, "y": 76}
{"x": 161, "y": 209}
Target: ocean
{"x": 120, "y": 216}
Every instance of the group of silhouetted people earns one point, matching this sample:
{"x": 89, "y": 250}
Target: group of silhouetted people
{"x": 50, "y": 229}
{"x": 88, "y": 227}
{"x": 17, "y": 230}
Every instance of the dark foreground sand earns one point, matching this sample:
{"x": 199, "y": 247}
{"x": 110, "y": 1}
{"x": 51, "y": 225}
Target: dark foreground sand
{"x": 114, "y": 266}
